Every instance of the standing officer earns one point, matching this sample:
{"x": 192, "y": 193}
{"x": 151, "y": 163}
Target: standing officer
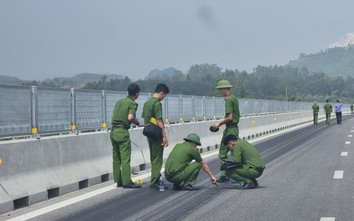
{"x": 338, "y": 108}
{"x": 232, "y": 117}
{"x": 152, "y": 111}
{"x": 315, "y": 109}
{"x": 180, "y": 171}
{"x": 249, "y": 163}
{"x": 328, "y": 109}
{"x": 123, "y": 116}
{"x": 351, "y": 108}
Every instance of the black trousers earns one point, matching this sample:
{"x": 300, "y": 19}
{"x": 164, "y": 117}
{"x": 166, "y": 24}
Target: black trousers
{"x": 339, "y": 117}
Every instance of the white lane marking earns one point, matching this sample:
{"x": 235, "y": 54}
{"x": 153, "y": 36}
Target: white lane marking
{"x": 352, "y": 131}
{"x": 350, "y": 135}
{"x": 344, "y": 154}
{"x": 85, "y": 196}
{"x": 347, "y": 142}
{"x": 327, "y": 219}
{"x": 338, "y": 174}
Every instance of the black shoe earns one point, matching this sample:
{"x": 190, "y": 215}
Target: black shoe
{"x": 177, "y": 187}
{"x": 131, "y": 186}
{"x": 119, "y": 185}
{"x": 189, "y": 187}
{"x": 249, "y": 185}
{"x": 222, "y": 179}
{"x": 255, "y": 182}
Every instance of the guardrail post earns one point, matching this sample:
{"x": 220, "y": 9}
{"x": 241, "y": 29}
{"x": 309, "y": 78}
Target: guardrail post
{"x": 104, "y": 110}
{"x": 167, "y": 117}
{"x": 73, "y": 111}
{"x": 193, "y": 109}
{"x": 214, "y": 104}
{"x": 34, "y": 112}
{"x": 181, "y": 112}
{"x": 203, "y": 109}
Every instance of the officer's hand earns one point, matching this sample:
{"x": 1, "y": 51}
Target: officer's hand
{"x": 217, "y": 125}
{"x": 165, "y": 142}
{"x": 213, "y": 179}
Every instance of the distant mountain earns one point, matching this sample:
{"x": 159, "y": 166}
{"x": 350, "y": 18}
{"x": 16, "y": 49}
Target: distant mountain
{"x": 163, "y": 74}
{"x": 337, "y": 60}
{"x": 10, "y": 80}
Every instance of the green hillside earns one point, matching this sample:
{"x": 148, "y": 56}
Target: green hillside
{"x": 334, "y": 61}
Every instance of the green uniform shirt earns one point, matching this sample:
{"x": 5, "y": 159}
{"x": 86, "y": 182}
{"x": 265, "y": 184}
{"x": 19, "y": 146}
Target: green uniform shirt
{"x": 245, "y": 153}
{"x": 179, "y": 158}
{"x": 122, "y": 109}
{"x": 315, "y": 108}
{"x": 147, "y": 110}
{"x": 328, "y": 107}
{"x": 231, "y": 107}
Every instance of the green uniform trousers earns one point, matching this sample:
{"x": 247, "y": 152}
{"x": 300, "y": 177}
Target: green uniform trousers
{"x": 121, "y": 156}
{"x": 223, "y": 148}
{"x": 187, "y": 176}
{"x": 156, "y": 157}
{"x": 315, "y": 118}
{"x": 328, "y": 118}
{"x": 243, "y": 174}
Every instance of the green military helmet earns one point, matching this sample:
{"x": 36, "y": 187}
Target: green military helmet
{"x": 223, "y": 84}
{"x": 194, "y": 138}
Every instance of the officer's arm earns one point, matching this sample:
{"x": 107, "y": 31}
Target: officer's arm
{"x": 228, "y": 118}
{"x": 132, "y": 119}
{"x": 206, "y": 168}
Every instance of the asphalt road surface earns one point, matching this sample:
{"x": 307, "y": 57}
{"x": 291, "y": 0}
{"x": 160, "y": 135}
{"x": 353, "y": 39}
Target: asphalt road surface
{"x": 309, "y": 175}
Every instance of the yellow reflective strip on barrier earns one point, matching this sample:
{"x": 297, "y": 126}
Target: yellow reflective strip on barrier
{"x": 253, "y": 122}
{"x": 73, "y": 127}
{"x": 167, "y": 120}
{"x": 34, "y": 130}
{"x": 0, "y": 161}
{"x": 104, "y": 125}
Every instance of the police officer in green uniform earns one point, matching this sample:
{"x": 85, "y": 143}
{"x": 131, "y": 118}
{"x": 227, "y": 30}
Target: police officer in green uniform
{"x": 315, "y": 109}
{"x": 328, "y": 109}
{"x": 232, "y": 117}
{"x": 250, "y": 164}
{"x": 123, "y": 116}
{"x": 180, "y": 171}
{"x": 351, "y": 108}
{"x": 153, "y": 110}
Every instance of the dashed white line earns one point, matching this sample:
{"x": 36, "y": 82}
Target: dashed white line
{"x": 327, "y": 219}
{"x": 352, "y": 131}
{"x": 350, "y": 135}
{"x": 338, "y": 174}
{"x": 344, "y": 154}
{"x": 347, "y": 142}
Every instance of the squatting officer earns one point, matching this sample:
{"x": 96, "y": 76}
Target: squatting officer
{"x": 232, "y": 117}
{"x": 328, "y": 109}
{"x": 315, "y": 109}
{"x": 152, "y": 112}
{"x": 123, "y": 115}
{"x": 251, "y": 164}
{"x": 180, "y": 171}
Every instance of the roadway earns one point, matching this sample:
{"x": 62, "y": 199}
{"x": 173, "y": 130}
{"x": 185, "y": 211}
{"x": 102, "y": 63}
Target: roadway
{"x": 309, "y": 175}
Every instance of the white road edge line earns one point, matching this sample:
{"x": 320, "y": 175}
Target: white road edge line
{"x": 338, "y": 174}
{"x": 85, "y": 196}
{"x": 327, "y": 219}
{"x": 344, "y": 154}
{"x": 350, "y": 135}
{"x": 347, "y": 142}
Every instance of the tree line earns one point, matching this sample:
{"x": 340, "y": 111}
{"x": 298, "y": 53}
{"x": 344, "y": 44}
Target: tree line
{"x": 272, "y": 82}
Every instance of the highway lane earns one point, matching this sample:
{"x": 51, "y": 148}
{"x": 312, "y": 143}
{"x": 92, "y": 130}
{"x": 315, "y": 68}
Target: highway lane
{"x": 296, "y": 185}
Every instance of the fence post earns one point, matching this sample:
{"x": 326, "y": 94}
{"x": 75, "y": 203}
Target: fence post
{"x": 104, "y": 110}
{"x": 181, "y": 112}
{"x": 203, "y": 109}
{"x": 34, "y": 112}
{"x": 73, "y": 111}
{"x": 193, "y": 109}
{"x": 167, "y": 117}
{"x": 214, "y": 104}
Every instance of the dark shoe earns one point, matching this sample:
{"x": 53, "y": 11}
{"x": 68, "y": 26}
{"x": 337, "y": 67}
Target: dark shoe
{"x": 189, "y": 188}
{"x": 222, "y": 179}
{"x": 177, "y": 187}
{"x": 255, "y": 182}
{"x": 119, "y": 185}
{"x": 249, "y": 185}
{"x": 131, "y": 186}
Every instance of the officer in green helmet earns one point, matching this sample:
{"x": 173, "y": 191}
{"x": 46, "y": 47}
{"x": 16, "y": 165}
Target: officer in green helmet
{"x": 328, "y": 109}
{"x": 232, "y": 117}
{"x": 123, "y": 115}
{"x": 315, "y": 109}
{"x": 180, "y": 171}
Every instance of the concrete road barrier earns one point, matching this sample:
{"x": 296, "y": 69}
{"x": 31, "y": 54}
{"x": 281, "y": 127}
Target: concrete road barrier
{"x": 36, "y": 170}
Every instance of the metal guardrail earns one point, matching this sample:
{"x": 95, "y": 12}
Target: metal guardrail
{"x": 31, "y": 110}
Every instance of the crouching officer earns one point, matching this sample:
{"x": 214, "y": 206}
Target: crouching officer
{"x": 123, "y": 115}
{"x": 180, "y": 171}
{"x": 249, "y": 164}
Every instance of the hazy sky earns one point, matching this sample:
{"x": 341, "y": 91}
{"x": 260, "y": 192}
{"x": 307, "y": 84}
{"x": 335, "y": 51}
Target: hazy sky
{"x": 44, "y": 38}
